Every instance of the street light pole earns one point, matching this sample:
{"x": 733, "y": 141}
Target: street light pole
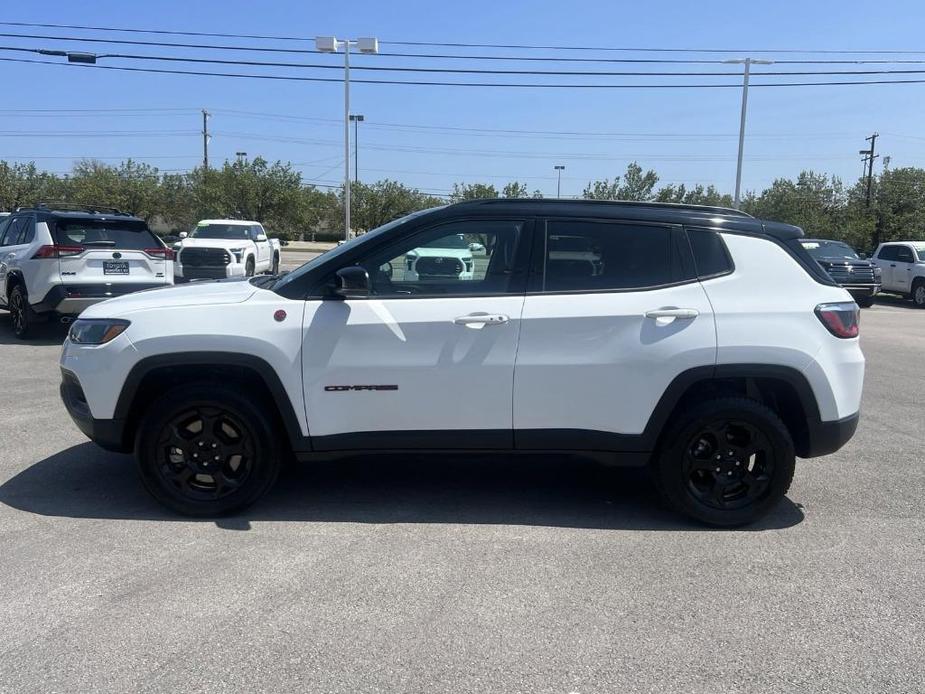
{"x": 559, "y": 169}
{"x": 747, "y": 62}
{"x": 357, "y": 119}
{"x": 331, "y": 44}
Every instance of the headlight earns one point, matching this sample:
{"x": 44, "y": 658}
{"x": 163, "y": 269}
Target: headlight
{"x": 237, "y": 253}
{"x": 878, "y": 272}
{"x": 96, "y": 331}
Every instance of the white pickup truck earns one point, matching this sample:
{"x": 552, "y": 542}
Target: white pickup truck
{"x": 219, "y": 248}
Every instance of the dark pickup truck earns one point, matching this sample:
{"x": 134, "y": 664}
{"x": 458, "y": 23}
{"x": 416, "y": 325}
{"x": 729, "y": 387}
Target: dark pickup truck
{"x": 856, "y": 274}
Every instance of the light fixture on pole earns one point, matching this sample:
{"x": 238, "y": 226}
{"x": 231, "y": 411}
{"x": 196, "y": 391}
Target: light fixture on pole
{"x": 331, "y": 44}
{"x": 747, "y": 62}
{"x": 241, "y": 156}
{"x": 356, "y": 119}
{"x": 559, "y": 169}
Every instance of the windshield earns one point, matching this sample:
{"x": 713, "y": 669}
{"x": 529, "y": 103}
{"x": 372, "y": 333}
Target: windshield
{"x": 343, "y": 248}
{"x": 829, "y": 249}
{"x": 221, "y": 231}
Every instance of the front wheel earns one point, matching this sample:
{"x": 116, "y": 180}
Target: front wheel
{"x": 275, "y": 269}
{"x": 249, "y": 268}
{"x": 865, "y": 302}
{"x": 725, "y": 462}
{"x": 207, "y": 450}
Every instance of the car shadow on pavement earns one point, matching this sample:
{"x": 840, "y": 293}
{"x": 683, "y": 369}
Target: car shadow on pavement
{"x": 45, "y": 334}
{"x": 542, "y": 490}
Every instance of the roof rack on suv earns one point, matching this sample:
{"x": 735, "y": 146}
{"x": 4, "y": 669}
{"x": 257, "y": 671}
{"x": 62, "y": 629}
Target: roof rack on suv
{"x": 622, "y": 203}
{"x": 75, "y": 207}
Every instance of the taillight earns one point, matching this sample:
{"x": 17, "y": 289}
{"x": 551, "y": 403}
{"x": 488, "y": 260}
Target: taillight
{"x": 842, "y": 319}
{"x": 165, "y": 253}
{"x": 58, "y": 251}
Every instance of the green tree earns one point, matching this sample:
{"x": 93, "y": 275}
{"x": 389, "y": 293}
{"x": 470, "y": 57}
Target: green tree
{"x": 23, "y": 184}
{"x": 473, "y": 191}
{"x": 634, "y": 185}
{"x": 515, "y": 189}
{"x": 698, "y": 195}
{"x": 132, "y": 186}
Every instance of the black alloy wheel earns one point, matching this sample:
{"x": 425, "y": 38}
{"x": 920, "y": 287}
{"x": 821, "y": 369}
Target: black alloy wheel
{"x": 208, "y": 449}
{"x": 725, "y": 462}
{"x": 728, "y": 464}
{"x": 19, "y": 312}
{"x": 205, "y": 453}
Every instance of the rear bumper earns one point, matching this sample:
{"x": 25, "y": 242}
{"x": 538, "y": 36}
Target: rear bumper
{"x": 74, "y": 298}
{"x": 106, "y": 433}
{"x": 828, "y": 437}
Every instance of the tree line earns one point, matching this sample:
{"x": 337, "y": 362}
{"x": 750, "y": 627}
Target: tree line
{"x": 291, "y": 207}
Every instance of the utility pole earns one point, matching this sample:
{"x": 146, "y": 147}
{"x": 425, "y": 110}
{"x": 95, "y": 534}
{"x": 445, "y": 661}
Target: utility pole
{"x": 559, "y": 169}
{"x": 869, "y": 156}
{"x": 205, "y": 140}
{"x": 746, "y": 72}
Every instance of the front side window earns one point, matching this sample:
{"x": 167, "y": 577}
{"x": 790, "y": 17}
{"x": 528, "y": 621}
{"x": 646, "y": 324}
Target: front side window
{"x": 600, "y": 256}
{"x": 466, "y": 257}
{"x": 888, "y": 253}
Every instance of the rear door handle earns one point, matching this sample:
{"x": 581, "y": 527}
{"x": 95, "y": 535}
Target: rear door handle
{"x": 683, "y": 313}
{"x": 482, "y": 319}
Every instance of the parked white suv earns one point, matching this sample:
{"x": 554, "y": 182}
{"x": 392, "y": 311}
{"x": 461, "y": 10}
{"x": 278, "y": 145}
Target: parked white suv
{"x": 219, "y": 248}
{"x": 699, "y": 341}
{"x": 56, "y": 260}
{"x": 903, "y": 266}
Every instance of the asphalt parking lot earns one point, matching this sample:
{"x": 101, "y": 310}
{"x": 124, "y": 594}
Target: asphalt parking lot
{"x": 529, "y": 575}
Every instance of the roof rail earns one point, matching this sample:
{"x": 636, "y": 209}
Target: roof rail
{"x": 75, "y": 207}
{"x": 622, "y": 203}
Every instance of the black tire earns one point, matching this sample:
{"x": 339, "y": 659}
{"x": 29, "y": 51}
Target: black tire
{"x": 231, "y": 424}
{"x": 717, "y": 491}
{"x": 918, "y": 293}
{"x": 866, "y": 302}
{"x": 275, "y": 269}
{"x": 249, "y": 268}
{"x": 21, "y": 314}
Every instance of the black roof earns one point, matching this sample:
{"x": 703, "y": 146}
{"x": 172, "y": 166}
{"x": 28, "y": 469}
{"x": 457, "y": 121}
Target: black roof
{"x": 670, "y": 213}
{"x": 74, "y": 211}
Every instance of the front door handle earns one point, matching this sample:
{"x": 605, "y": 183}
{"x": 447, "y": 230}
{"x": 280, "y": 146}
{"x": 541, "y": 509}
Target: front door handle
{"x": 482, "y": 319}
{"x": 682, "y": 313}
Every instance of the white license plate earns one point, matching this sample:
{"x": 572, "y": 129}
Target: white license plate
{"x": 115, "y": 267}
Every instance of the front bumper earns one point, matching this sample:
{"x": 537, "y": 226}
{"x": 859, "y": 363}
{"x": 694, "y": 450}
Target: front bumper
{"x": 209, "y": 272}
{"x": 106, "y": 433}
{"x": 862, "y": 291}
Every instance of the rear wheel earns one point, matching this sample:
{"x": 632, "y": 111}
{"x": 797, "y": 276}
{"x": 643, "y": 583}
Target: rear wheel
{"x": 725, "y": 462}
{"x": 21, "y": 313}
{"x": 207, "y": 450}
{"x": 918, "y": 293}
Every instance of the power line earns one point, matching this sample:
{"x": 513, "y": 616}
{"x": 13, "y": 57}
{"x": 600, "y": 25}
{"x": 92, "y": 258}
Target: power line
{"x": 450, "y": 56}
{"x": 508, "y": 85}
{"x": 627, "y": 49}
{"x": 483, "y": 71}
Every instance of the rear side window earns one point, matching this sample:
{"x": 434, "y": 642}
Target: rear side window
{"x": 710, "y": 254}
{"x": 600, "y": 256}
{"x": 17, "y": 229}
{"x": 5, "y": 225}
{"x": 904, "y": 254}
{"x": 888, "y": 253}
{"x": 111, "y": 233}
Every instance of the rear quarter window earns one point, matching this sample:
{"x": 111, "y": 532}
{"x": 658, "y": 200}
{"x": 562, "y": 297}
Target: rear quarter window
{"x": 711, "y": 257}
{"x": 130, "y": 235}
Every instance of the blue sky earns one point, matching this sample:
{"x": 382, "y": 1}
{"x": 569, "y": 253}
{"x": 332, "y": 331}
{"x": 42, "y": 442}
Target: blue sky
{"x": 687, "y": 135}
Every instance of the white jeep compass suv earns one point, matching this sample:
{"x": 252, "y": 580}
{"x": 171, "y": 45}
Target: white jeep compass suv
{"x": 56, "y": 260}
{"x": 699, "y": 341}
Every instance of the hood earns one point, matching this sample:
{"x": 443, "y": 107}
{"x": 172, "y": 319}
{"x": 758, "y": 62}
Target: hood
{"x": 227, "y": 244}
{"x": 192, "y": 294}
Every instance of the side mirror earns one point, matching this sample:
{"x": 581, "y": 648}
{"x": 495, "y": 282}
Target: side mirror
{"x": 862, "y": 255}
{"x": 261, "y": 237}
{"x": 183, "y": 234}
{"x": 353, "y": 282}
